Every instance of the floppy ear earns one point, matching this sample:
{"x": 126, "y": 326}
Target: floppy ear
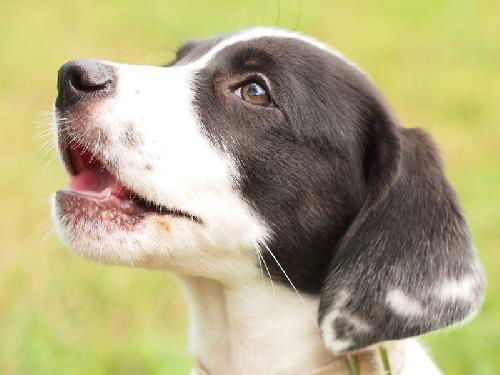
{"x": 406, "y": 265}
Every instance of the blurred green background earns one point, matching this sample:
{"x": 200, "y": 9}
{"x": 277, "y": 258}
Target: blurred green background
{"x": 438, "y": 62}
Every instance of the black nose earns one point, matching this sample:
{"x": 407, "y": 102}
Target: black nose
{"x": 81, "y": 80}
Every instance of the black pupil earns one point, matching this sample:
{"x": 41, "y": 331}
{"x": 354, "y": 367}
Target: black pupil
{"x": 254, "y": 89}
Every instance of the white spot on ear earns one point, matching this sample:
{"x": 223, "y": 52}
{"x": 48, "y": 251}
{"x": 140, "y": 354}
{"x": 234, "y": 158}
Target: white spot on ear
{"x": 328, "y": 333}
{"x": 402, "y": 304}
{"x": 457, "y": 289}
{"x": 357, "y": 323}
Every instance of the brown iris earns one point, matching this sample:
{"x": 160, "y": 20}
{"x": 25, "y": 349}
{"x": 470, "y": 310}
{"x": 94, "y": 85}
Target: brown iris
{"x": 255, "y": 93}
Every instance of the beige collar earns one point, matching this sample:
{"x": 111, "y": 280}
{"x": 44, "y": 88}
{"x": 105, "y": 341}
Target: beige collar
{"x": 374, "y": 361}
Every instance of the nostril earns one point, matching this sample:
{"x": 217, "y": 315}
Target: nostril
{"x": 84, "y": 79}
{"x": 82, "y": 82}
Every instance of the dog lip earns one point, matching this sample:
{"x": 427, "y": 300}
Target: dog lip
{"x": 125, "y": 206}
{"x": 134, "y": 208}
{"x": 109, "y": 213}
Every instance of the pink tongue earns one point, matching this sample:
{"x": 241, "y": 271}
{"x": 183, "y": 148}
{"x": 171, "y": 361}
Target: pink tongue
{"x": 97, "y": 181}
{"x": 91, "y": 177}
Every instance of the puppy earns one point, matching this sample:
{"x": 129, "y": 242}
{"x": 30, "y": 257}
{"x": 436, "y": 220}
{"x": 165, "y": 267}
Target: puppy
{"x": 267, "y": 172}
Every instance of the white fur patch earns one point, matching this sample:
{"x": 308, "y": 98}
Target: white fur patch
{"x": 414, "y": 361}
{"x": 457, "y": 289}
{"x": 327, "y": 326}
{"x": 402, "y": 304}
{"x": 253, "y": 327}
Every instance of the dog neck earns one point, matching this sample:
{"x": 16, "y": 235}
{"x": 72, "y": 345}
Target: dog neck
{"x": 253, "y": 328}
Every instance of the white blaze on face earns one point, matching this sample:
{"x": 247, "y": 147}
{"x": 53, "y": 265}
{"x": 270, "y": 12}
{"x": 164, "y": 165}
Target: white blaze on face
{"x": 171, "y": 162}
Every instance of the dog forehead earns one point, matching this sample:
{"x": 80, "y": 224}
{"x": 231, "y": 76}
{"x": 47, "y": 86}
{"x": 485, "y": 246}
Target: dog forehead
{"x": 203, "y": 51}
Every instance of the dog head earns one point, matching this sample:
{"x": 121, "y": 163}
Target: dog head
{"x": 266, "y": 145}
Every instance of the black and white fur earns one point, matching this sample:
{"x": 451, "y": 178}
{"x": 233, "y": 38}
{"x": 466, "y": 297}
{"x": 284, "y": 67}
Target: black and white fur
{"x": 324, "y": 226}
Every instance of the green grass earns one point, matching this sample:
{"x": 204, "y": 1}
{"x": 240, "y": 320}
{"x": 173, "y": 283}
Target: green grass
{"x": 436, "y": 61}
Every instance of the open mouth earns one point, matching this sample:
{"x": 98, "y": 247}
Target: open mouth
{"x": 94, "y": 192}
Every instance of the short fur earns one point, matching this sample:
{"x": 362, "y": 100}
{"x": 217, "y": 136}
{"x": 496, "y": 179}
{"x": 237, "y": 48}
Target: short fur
{"x": 324, "y": 191}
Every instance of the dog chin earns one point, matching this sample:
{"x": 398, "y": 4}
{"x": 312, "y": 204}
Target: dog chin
{"x": 107, "y": 235}
{"x": 159, "y": 242}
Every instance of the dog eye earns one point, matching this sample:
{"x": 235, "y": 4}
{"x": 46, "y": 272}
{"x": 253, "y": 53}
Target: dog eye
{"x": 254, "y": 93}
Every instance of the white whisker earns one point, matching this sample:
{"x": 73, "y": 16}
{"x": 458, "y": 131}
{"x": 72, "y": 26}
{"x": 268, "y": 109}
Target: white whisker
{"x": 268, "y": 273}
{"x": 293, "y": 286}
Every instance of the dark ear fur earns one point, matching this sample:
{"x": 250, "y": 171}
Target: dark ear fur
{"x": 406, "y": 265}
